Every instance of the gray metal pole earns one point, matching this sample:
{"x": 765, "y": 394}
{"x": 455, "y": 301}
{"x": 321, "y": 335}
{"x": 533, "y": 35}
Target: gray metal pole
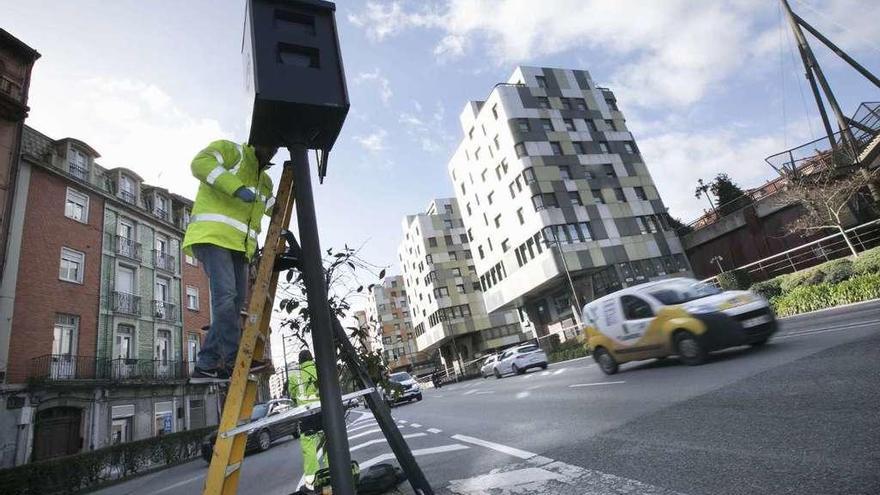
{"x": 311, "y": 266}
{"x": 577, "y": 303}
{"x": 840, "y": 53}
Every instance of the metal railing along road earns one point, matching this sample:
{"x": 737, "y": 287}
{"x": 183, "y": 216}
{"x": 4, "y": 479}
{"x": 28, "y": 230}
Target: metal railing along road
{"x": 862, "y": 237}
{"x": 66, "y": 367}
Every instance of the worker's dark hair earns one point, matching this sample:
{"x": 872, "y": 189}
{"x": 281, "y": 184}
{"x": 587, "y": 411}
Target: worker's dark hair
{"x": 304, "y": 355}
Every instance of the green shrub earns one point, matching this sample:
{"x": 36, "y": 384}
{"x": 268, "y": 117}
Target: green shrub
{"x": 734, "y": 280}
{"x": 801, "y": 278}
{"x": 867, "y": 262}
{"x": 808, "y": 298}
{"x": 837, "y": 271}
{"x": 768, "y": 289}
{"x": 74, "y": 473}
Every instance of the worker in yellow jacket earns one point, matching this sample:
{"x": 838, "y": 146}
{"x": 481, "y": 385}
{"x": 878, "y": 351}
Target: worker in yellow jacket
{"x": 303, "y": 387}
{"x": 234, "y": 194}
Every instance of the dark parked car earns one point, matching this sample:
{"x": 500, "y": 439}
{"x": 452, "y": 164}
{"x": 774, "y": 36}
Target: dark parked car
{"x": 262, "y": 438}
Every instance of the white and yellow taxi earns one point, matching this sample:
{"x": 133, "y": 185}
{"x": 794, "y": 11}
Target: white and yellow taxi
{"x": 676, "y": 316}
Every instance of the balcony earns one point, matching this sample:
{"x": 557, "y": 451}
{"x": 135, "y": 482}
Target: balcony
{"x": 160, "y": 213}
{"x": 127, "y": 196}
{"x": 164, "y": 261}
{"x": 127, "y": 248}
{"x": 126, "y": 303}
{"x": 65, "y": 368}
{"x": 164, "y": 310}
{"x": 81, "y": 173}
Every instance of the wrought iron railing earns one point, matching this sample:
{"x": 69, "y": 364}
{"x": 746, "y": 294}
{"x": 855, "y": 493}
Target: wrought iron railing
{"x": 123, "y": 302}
{"x": 63, "y": 367}
{"x": 128, "y": 248}
{"x": 127, "y": 196}
{"x": 164, "y": 310}
{"x": 159, "y": 212}
{"x": 81, "y": 173}
{"x": 163, "y": 261}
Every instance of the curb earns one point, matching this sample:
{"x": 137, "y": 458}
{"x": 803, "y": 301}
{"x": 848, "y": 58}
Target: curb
{"x": 818, "y": 312}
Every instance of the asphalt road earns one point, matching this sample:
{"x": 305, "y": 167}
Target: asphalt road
{"x": 800, "y": 415}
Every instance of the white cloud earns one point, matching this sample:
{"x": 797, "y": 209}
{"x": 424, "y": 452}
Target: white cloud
{"x": 382, "y": 20}
{"x": 373, "y": 142}
{"x": 426, "y": 130}
{"x": 131, "y": 123}
{"x": 385, "y": 92}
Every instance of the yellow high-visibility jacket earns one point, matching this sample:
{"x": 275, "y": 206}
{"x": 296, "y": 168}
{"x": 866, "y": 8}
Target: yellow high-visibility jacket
{"x": 303, "y": 384}
{"x": 218, "y": 216}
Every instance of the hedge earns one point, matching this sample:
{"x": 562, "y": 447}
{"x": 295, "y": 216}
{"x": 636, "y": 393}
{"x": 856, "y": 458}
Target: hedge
{"x": 768, "y": 289}
{"x": 570, "y": 349}
{"x": 820, "y": 296}
{"x": 74, "y": 473}
{"x": 867, "y": 262}
{"x": 734, "y": 280}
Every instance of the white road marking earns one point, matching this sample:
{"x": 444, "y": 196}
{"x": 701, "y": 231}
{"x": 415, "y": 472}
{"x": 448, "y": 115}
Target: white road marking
{"x": 545, "y": 373}
{"x": 522, "y": 454}
{"x": 529, "y": 375}
{"x": 469, "y": 392}
{"x": 418, "y": 452}
{"x": 362, "y": 426}
{"x": 485, "y": 392}
{"x": 180, "y": 483}
{"x": 368, "y": 432}
{"x": 401, "y": 421}
{"x": 435, "y": 430}
{"x": 834, "y": 329}
{"x": 383, "y": 440}
{"x": 576, "y": 385}
{"x": 559, "y": 371}
{"x": 523, "y": 395}
{"x": 415, "y": 425}
{"x": 486, "y": 482}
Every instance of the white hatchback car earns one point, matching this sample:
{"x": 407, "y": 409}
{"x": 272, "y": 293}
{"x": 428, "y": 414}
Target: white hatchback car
{"x": 519, "y": 359}
{"x": 489, "y": 366}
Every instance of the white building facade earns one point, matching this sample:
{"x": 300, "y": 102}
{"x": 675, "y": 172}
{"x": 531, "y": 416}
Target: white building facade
{"x": 444, "y": 291}
{"x": 551, "y": 183}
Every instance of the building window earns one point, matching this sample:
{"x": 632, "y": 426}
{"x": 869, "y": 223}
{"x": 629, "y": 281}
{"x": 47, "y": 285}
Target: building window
{"x": 640, "y": 193}
{"x": 618, "y": 193}
{"x": 447, "y": 224}
{"x": 543, "y": 102}
{"x": 542, "y": 81}
{"x": 192, "y": 298}
{"x": 591, "y": 125}
{"x": 495, "y": 111}
{"x": 603, "y": 147}
{"x": 483, "y": 175}
{"x": 126, "y": 189}
{"x": 78, "y": 165}
{"x": 497, "y": 143}
{"x": 608, "y": 170}
{"x": 453, "y": 255}
{"x": 498, "y": 172}
{"x": 463, "y": 190}
{"x": 480, "y": 252}
{"x": 124, "y": 342}
{"x": 505, "y": 245}
{"x": 432, "y": 241}
{"x": 564, "y": 172}
{"x": 64, "y": 345}
{"x": 597, "y": 196}
{"x": 191, "y": 260}
{"x": 580, "y": 104}
{"x": 447, "y": 208}
{"x": 498, "y": 221}
{"x": 546, "y": 200}
{"x": 441, "y": 292}
{"x": 556, "y": 148}
{"x": 467, "y": 208}
{"x": 164, "y": 418}
{"x": 161, "y": 209}
{"x": 490, "y": 196}
{"x": 519, "y": 215}
{"x": 523, "y": 125}
{"x": 459, "y": 288}
{"x": 429, "y": 259}
{"x": 566, "y": 103}
{"x": 547, "y": 125}
{"x": 629, "y": 147}
{"x": 579, "y": 148}
{"x": 610, "y": 124}
{"x": 611, "y": 103}
{"x": 471, "y": 133}
{"x": 472, "y": 270}
{"x": 72, "y": 265}
{"x": 520, "y": 149}
{"x": 456, "y": 272}
{"x": 193, "y": 346}
{"x": 477, "y": 154}
{"x": 569, "y": 125}
{"x": 448, "y": 240}
{"x": 529, "y": 175}
{"x": 470, "y": 235}
{"x": 575, "y": 198}
{"x": 77, "y": 206}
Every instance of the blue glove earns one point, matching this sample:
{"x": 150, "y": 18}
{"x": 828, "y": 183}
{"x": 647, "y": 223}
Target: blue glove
{"x": 245, "y": 194}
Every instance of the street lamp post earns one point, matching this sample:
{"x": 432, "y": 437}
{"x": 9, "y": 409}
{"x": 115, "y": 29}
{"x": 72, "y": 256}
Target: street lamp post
{"x": 717, "y": 260}
{"x": 575, "y": 299}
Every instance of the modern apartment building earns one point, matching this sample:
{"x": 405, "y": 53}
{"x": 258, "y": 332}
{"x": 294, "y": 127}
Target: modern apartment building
{"x": 551, "y": 182}
{"x": 16, "y": 61}
{"x": 388, "y": 312}
{"x": 105, "y": 315}
{"x": 444, "y": 291}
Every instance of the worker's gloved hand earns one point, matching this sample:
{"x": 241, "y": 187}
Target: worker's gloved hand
{"x": 245, "y": 194}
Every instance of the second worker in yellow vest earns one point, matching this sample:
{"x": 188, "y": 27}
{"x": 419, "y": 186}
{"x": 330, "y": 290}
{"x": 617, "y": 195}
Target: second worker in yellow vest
{"x": 234, "y": 194}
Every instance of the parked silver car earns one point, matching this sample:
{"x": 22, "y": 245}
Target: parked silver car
{"x": 519, "y": 359}
{"x": 488, "y": 366}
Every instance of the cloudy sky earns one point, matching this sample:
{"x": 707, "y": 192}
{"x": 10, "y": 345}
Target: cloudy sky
{"x": 706, "y": 86}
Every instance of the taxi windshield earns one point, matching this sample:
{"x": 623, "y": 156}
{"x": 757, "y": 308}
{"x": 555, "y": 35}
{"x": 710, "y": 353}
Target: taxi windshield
{"x": 679, "y": 292}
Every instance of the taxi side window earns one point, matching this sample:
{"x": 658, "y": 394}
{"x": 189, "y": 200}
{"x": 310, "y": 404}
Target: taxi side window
{"x": 506, "y": 355}
{"x": 635, "y": 308}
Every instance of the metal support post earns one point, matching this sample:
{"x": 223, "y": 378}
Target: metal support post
{"x": 312, "y": 269}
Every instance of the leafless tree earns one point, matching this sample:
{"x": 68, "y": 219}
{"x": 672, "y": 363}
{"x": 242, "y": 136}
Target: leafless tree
{"x": 826, "y": 192}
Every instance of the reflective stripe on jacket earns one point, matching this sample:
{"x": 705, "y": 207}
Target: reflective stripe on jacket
{"x": 303, "y": 384}
{"x": 218, "y": 216}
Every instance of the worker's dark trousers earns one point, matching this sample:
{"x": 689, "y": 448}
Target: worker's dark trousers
{"x": 227, "y": 274}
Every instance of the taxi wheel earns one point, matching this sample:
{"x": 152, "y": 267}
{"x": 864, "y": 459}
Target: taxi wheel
{"x": 606, "y": 361}
{"x": 689, "y": 349}
{"x": 497, "y": 374}
{"x": 516, "y": 370}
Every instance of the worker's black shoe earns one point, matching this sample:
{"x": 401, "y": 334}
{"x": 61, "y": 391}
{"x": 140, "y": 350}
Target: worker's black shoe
{"x": 200, "y": 375}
